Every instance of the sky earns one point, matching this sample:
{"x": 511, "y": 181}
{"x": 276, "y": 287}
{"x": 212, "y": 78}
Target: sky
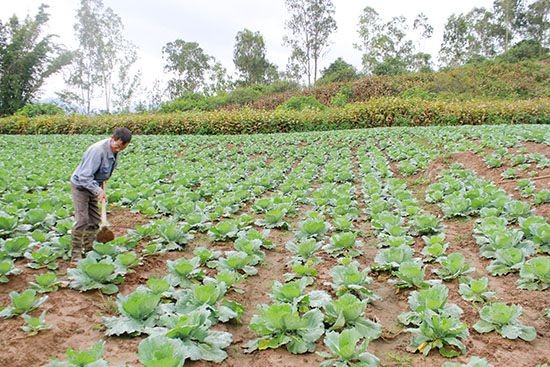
{"x": 213, "y": 24}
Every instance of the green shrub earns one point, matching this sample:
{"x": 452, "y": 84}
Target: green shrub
{"x": 194, "y": 102}
{"x": 342, "y": 97}
{"x": 377, "y": 112}
{"x": 523, "y": 50}
{"x": 39, "y": 109}
{"x": 245, "y": 95}
{"x": 300, "y": 103}
{"x": 418, "y": 93}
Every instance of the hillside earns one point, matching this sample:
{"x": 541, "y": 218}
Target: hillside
{"x": 489, "y": 80}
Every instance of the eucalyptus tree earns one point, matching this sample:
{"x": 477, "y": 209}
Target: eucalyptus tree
{"x": 467, "y": 36}
{"x": 387, "y": 46}
{"x": 535, "y": 22}
{"x": 310, "y": 25}
{"x": 103, "y": 59}
{"x": 189, "y": 64}
{"x": 249, "y": 57}
{"x": 508, "y": 15}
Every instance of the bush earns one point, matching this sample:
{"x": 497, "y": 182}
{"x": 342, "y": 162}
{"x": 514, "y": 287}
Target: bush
{"x": 523, "y": 50}
{"x": 418, "y": 93}
{"x": 390, "y": 66}
{"x": 194, "y": 102}
{"x": 281, "y": 86}
{"x": 245, "y": 95}
{"x": 342, "y": 97}
{"x": 302, "y": 103}
{"x": 39, "y": 109}
{"x": 485, "y": 80}
{"x": 377, "y": 112}
{"x": 338, "y": 71}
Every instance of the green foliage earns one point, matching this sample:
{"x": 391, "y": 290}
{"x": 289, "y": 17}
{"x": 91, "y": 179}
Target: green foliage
{"x": 210, "y": 297}
{"x": 473, "y": 362}
{"x": 349, "y": 279}
{"x": 453, "y": 266}
{"x": 92, "y": 273}
{"x": 138, "y": 311}
{"x": 161, "y": 351}
{"x": 347, "y": 349}
{"x": 418, "y": 93}
{"x": 194, "y": 102}
{"x": 39, "y": 109}
{"x": 33, "y": 325}
{"x": 27, "y": 60}
{"x": 194, "y": 337}
{"x": 250, "y": 59}
{"x": 534, "y": 274}
{"x": 45, "y": 283}
{"x": 523, "y": 50}
{"x": 342, "y": 97}
{"x": 91, "y": 357}
{"x": 504, "y": 320}
{"x": 7, "y": 267}
{"x": 22, "y": 303}
{"x": 189, "y": 62}
{"x": 280, "y": 324}
{"x": 347, "y": 311}
{"x": 434, "y": 299}
{"x": 475, "y": 290}
{"x": 376, "y": 112}
{"x": 444, "y": 332}
{"x": 410, "y": 274}
{"x": 344, "y": 243}
{"x": 337, "y": 71}
{"x": 301, "y": 104}
{"x": 391, "y": 258}
{"x": 184, "y": 272}
{"x": 390, "y": 66}
{"x": 244, "y": 95}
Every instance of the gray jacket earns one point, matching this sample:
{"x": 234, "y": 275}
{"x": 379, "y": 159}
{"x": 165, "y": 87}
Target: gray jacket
{"x": 96, "y": 166}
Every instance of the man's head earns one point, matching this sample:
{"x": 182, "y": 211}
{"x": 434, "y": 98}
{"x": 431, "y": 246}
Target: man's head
{"x": 120, "y": 139}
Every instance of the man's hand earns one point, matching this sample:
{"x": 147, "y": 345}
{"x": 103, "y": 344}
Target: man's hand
{"x": 102, "y": 196}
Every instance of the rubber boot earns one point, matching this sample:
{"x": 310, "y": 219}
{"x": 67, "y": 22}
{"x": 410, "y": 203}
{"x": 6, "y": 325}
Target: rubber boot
{"x": 88, "y": 241}
{"x": 77, "y": 242}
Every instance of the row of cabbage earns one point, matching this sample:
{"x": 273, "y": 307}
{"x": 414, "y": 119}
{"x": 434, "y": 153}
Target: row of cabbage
{"x": 175, "y": 184}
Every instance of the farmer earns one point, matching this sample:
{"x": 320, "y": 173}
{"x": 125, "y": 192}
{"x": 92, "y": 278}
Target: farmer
{"x": 88, "y": 184}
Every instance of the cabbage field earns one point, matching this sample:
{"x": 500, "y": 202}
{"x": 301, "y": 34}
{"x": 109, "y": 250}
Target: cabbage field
{"x": 424, "y": 246}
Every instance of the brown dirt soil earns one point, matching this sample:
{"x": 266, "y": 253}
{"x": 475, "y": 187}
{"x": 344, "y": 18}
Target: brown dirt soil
{"x": 75, "y": 317}
{"x": 475, "y": 163}
{"x": 496, "y": 349}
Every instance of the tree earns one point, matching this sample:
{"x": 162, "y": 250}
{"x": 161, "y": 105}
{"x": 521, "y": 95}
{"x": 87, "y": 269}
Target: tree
{"x": 508, "y": 16}
{"x": 249, "y": 58}
{"x": 26, "y": 60}
{"x": 154, "y": 97}
{"x": 523, "y": 50}
{"x": 103, "y": 56}
{"x": 338, "y": 71}
{"x": 535, "y": 24}
{"x": 189, "y": 63}
{"x": 469, "y": 36}
{"x": 219, "y": 81}
{"x": 296, "y": 66}
{"x": 310, "y": 25}
{"x": 128, "y": 83}
{"x": 386, "y": 46}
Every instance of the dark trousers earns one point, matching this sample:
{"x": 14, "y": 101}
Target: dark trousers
{"x": 86, "y": 212}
